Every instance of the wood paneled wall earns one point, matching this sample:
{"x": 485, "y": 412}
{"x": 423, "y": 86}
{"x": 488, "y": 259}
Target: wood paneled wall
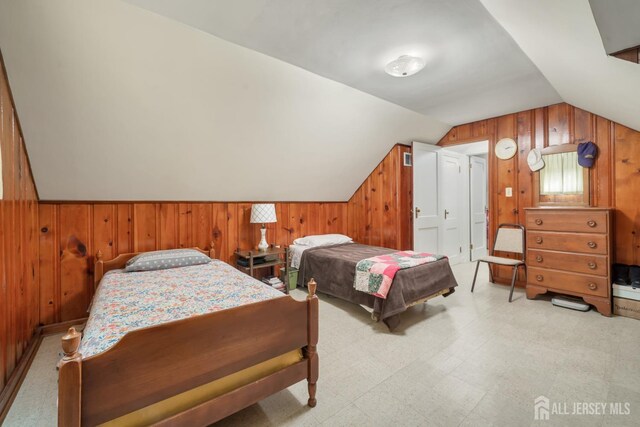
{"x": 72, "y": 233}
{"x": 18, "y": 239}
{"x": 615, "y": 178}
{"x": 380, "y": 210}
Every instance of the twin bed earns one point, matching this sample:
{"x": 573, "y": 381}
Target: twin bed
{"x": 194, "y": 344}
{"x": 183, "y": 346}
{"x": 334, "y": 268}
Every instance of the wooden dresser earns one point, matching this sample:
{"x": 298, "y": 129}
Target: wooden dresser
{"x": 569, "y": 252}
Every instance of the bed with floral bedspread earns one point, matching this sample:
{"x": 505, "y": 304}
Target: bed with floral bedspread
{"x": 129, "y": 301}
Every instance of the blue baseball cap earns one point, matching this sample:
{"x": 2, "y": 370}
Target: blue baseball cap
{"x": 587, "y": 152}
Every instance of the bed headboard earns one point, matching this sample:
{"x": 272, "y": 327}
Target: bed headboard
{"x": 102, "y": 266}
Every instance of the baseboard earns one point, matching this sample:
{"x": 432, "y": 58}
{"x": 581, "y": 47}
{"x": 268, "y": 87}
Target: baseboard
{"x": 11, "y": 388}
{"x": 57, "y": 328}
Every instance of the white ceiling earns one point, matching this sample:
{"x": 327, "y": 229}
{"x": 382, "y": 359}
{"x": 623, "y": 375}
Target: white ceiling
{"x": 118, "y": 103}
{"x": 566, "y": 46}
{"x": 474, "y": 68}
{"x": 618, "y": 22}
{"x": 121, "y": 103}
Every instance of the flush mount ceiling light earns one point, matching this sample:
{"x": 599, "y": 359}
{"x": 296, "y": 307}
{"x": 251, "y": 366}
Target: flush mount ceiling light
{"x": 404, "y": 66}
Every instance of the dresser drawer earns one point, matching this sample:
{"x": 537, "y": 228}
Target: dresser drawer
{"x": 597, "y": 265}
{"x": 568, "y": 242}
{"x": 570, "y": 282}
{"x": 586, "y": 221}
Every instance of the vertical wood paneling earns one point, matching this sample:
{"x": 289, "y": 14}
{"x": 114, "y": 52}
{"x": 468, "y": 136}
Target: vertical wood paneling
{"x": 74, "y": 224}
{"x": 615, "y": 178}
{"x": 104, "y": 229}
{"x": 603, "y": 170}
{"x": 19, "y": 277}
{"x": 405, "y": 218}
{"x": 144, "y": 227}
{"x": 124, "y": 229}
{"x": 71, "y": 234}
{"x": 558, "y": 122}
{"x": 48, "y": 265}
{"x": 627, "y": 191}
{"x": 525, "y": 176}
{"x": 219, "y": 229}
{"x": 168, "y": 214}
{"x": 377, "y": 215}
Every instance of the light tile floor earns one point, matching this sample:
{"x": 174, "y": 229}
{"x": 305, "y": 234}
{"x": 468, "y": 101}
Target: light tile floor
{"x": 466, "y": 360}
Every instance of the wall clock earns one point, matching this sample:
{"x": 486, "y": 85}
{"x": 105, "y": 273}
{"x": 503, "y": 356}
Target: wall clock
{"x": 506, "y": 148}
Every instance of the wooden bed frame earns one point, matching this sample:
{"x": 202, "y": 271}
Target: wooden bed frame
{"x": 151, "y": 364}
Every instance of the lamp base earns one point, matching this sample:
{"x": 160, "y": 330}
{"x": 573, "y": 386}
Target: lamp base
{"x": 263, "y": 245}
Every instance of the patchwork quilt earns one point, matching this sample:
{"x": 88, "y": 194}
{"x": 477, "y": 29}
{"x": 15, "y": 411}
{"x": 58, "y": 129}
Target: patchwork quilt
{"x": 375, "y": 275}
{"x": 128, "y": 301}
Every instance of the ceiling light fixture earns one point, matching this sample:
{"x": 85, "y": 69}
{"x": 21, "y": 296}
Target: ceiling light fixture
{"x": 404, "y": 66}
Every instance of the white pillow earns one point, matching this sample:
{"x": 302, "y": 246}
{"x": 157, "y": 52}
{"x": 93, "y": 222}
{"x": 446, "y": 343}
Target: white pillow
{"x": 323, "y": 240}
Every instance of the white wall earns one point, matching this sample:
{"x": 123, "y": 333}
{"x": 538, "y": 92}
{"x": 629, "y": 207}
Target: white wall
{"x": 118, "y": 103}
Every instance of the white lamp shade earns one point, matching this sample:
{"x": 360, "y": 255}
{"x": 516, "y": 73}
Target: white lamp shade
{"x": 263, "y": 213}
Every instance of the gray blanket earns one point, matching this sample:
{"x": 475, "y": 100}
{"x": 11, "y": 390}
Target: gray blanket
{"x": 334, "y": 269}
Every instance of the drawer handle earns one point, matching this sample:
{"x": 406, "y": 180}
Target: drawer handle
{"x": 539, "y": 278}
{"x": 539, "y": 258}
{"x": 593, "y": 265}
{"x": 538, "y": 240}
{"x": 538, "y": 221}
{"x": 591, "y": 223}
{"x": 592, "y": 245}
{"x": 593, "y": 286}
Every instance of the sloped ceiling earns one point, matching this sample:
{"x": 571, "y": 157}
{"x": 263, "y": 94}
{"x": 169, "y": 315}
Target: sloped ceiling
{"x": 118, "y": 103}
{"x": 121, "y": 103}
{"x": 474, "y": 68}
{"x": 618, "y": 23}
{"x": 562, "y": 39}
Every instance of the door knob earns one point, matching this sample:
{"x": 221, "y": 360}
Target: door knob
{"x": 417, "y": 211}
{"x": 446, "y": 212}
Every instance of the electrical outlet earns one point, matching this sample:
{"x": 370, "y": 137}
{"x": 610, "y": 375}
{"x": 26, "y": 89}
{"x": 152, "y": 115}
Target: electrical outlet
{"x": 508, "y": 192}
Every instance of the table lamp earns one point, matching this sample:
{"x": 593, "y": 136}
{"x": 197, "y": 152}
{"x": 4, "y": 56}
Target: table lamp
{"x": 263, "y": 213}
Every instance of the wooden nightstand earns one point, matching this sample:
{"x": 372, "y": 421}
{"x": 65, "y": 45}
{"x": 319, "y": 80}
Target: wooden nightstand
{"x": 273, "y": 258}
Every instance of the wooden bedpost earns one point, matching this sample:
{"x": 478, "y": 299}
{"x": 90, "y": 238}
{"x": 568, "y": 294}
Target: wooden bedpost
{"x": 70, "y": 381}
{"x": 98, "y": 270}
{"x": 212, "y": 250}
{"x": 312, "y": 341}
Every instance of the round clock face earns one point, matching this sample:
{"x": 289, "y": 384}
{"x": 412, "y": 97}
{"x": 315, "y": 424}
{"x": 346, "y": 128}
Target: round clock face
{"x": 506, "y": 148}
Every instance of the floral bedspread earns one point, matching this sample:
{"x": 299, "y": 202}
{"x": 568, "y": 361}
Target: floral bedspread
{"x": 128, "y": 301}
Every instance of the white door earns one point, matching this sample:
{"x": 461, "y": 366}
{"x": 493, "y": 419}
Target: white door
{"x": 478, "y": 196}
{"x": 426, "y": 207}
{"x": 452, "y": 190}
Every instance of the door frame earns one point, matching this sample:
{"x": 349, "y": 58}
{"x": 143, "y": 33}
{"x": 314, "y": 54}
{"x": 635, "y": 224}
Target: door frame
{"x": 470, "y": 148}
{"x": 485, "y": 210}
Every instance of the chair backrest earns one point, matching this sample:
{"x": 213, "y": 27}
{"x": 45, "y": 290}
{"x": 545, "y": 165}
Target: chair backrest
{"x": 509, "y": 238}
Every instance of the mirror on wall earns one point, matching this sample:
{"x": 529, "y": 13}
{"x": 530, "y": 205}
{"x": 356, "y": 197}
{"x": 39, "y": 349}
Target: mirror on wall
{"x": 562, "y": 181}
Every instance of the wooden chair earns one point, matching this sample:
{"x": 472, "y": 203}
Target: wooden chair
{"x": 509, "y": 238}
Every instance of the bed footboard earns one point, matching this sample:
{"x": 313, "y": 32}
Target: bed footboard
{"x": 152, "y": 364}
